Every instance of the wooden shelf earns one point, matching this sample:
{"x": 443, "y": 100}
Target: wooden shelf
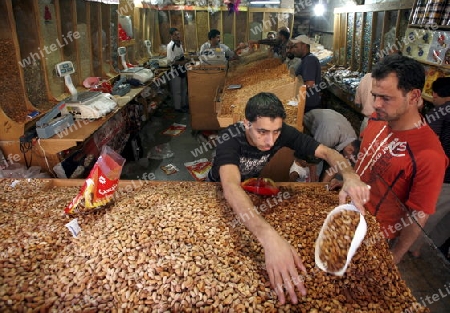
{"x": 387, "y": 6}
{"x": 445, "y": 67}
{"x": 271, "y": 10}
{"x": 183, "y": 7}
{"x": 81, "y": 131}
{"x": 126, "y": 43}
{"x": 428, "y": 26}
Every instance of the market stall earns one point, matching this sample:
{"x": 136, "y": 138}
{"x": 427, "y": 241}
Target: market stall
{"x": 266, "y": 75}
{"x": 176, "y": 246}
{"x": 203, "y": 83}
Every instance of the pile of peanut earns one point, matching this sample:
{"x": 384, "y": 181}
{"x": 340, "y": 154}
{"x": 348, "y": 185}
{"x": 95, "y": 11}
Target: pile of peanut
{"x": 336, "y": 239}
{"x": 255, "y": 77}
{"x": 175, "y": 247}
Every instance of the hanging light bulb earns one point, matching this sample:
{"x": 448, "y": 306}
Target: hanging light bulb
{"x": 319, "y": 9}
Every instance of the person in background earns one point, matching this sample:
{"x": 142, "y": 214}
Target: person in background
{"x": 245, "y": 149}
{"x": 308, "y": 72}
{"x": 213, "y": 43}
{"x": 292, "y": 62}
{"x": 178, "y": 82}
{"x": 278, "y": 44}
{"x": 401, "y": 157}
{"x": 364, "y": 99}
{"x": 271, "y": 35}
{"x": 333, "y": 130}
{"x": 438, "y": 119}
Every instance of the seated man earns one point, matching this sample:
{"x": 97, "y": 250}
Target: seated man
{"x": 246, "y": 147}
{"x": 333, "y": 130}
{"x": 210, "y": 52}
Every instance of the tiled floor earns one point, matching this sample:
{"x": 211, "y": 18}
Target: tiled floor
{"x": 428, "y": 277}
{"x": 185, "y": 148}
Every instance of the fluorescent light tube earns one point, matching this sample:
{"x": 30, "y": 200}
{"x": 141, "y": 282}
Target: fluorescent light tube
{"x": 265, "y": 2}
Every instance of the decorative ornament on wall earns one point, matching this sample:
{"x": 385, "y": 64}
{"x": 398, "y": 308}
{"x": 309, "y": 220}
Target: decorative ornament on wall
{"x": 420, "y": 52}
{"x": 233, "y": 5}
{"x": 408, "y": 50}
{"x": 442, "y": 39}
{"x": 47, "y": 15}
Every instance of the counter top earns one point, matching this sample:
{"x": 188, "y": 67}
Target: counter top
{"x": 175, "y": 246}
{"x": 81, "y": 129}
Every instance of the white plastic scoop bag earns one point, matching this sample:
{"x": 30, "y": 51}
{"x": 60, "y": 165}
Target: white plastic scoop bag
{"x": 358, "y": 237}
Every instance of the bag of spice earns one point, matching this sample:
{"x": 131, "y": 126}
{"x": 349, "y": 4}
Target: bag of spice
{"x": 99, "y": 188}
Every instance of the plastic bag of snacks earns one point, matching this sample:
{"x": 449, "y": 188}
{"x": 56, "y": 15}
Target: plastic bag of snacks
{"x": 260, "y": 186}
{"x": 341, "y": 235}
{"x": 99, "y": 187}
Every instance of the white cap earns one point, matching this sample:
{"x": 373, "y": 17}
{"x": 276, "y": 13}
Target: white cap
{"x": 301, "y": 38}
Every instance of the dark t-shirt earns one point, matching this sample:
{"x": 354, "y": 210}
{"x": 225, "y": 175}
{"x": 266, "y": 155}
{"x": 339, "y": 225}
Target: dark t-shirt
{"x": 309, "y": 69}
{"x": 233, "y": 148}
{"x": 439, "y": 120}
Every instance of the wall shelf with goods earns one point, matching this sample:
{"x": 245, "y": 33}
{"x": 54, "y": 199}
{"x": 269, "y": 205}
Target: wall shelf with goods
{"x": 194, "y": 22}
{"x": 362, "y": 31}
{"x": 36, "y": 35}
{"x": 263, "y": 20}
{"x": 42, "y": 35}
{"x": 429, "y": 40}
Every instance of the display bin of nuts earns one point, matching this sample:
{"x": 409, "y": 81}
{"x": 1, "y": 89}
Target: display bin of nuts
{"x": 268, "y": 75}
{"x": 176, "y": 247}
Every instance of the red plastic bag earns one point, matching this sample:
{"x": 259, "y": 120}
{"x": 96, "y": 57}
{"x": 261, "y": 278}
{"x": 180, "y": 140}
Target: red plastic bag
{"x": 98, "y": 189}
{"x": 260, "y": 186}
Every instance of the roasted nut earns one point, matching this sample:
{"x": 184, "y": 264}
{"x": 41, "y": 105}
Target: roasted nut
{"x": 175, "y": 247}
{"x": 337, "y": 236}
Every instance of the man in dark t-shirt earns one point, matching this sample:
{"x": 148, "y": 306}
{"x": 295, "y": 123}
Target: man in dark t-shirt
{"x": 308, "y": 71}
{"x": 242, "y": 152}
{"x": 249, "y": 158}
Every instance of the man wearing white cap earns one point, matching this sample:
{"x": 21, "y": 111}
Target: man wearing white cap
{"x": 308, "y": 71}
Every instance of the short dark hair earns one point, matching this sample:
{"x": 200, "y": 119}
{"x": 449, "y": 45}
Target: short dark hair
{"x": 213, "y": 33}
{"x": 356, "y": 144}
{"x": 441, "y": 86}
{"x": 271, "y": 33}
{"x": 410, "y": 73}
{"x": 264, "y": 104}
{"x": 173, "y": 30}
{"x": 285, "y": 33}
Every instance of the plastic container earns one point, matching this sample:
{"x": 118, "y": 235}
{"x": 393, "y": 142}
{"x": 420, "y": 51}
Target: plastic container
{"x": 127, "y": 24}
